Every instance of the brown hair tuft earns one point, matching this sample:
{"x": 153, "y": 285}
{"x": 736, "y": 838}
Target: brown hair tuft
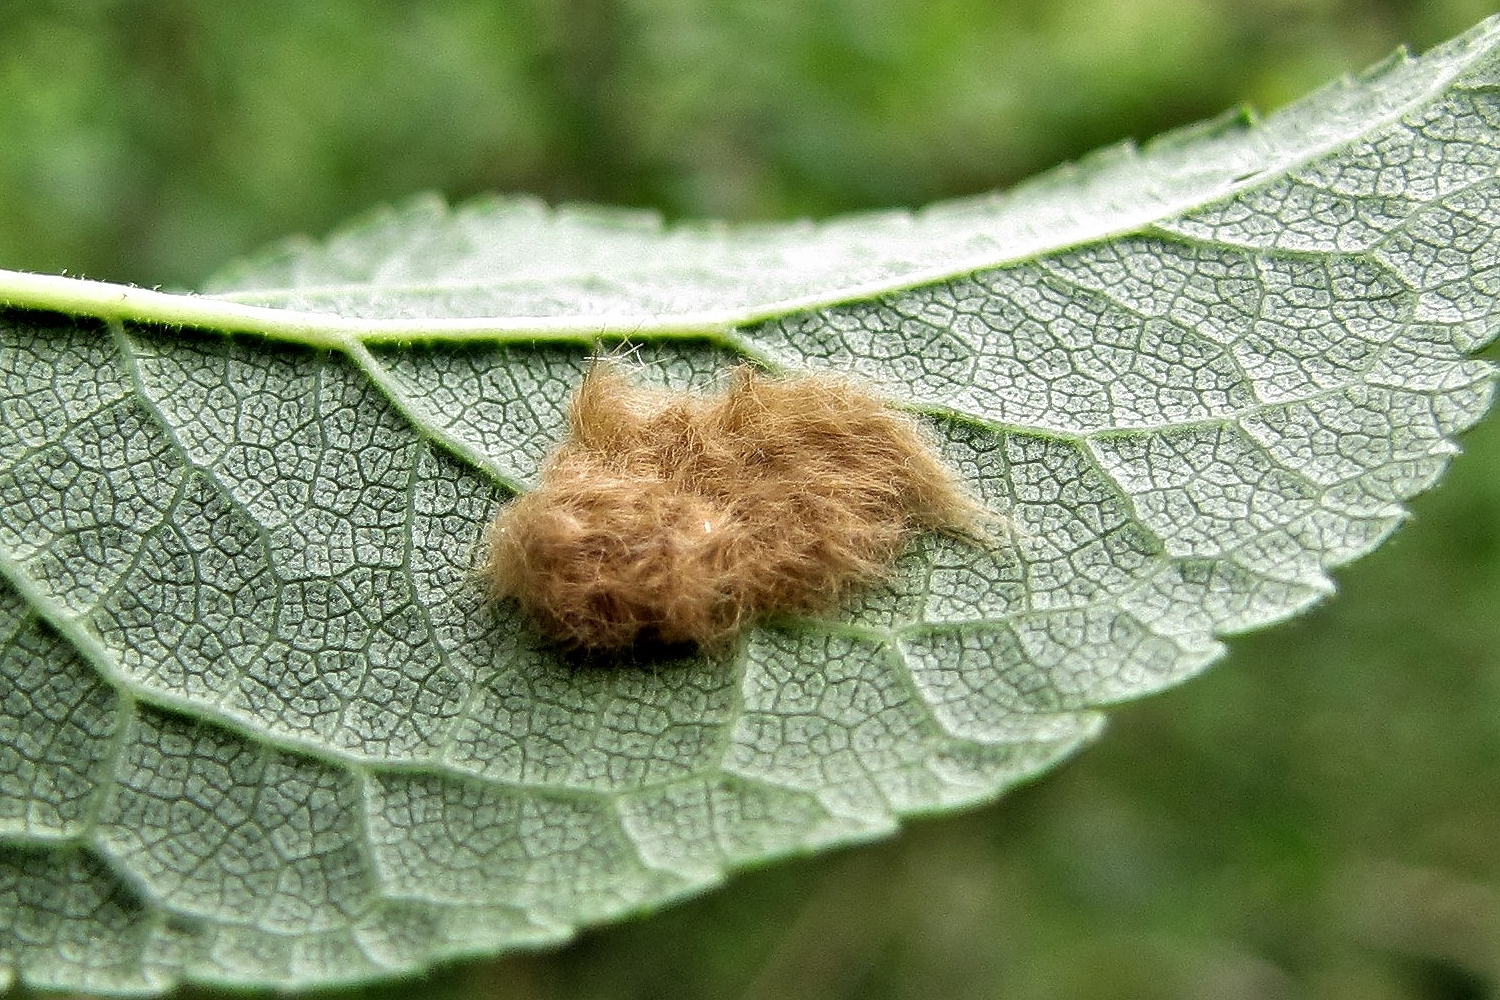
{"x": 679, "y": 518}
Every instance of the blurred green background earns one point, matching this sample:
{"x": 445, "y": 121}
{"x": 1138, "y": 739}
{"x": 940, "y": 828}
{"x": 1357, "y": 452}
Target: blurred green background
{"x": 1318, "y": 816}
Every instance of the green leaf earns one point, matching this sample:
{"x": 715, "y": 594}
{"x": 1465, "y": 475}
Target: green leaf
{"x": 258, "y": 726}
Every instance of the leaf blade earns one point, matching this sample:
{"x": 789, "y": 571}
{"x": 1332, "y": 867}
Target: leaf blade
{"x": 261, "y": 728}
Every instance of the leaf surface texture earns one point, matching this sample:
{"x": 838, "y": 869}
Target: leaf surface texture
{"x": 258, "y": 726}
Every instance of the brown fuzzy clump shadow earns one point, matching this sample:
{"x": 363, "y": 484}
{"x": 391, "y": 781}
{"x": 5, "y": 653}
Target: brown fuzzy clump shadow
{"x": 667, "y": 519}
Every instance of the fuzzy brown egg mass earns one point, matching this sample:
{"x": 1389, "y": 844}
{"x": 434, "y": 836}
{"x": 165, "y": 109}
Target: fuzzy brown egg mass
{"x": 680, "y": 518}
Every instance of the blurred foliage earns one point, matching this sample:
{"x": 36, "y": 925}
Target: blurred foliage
{"x": 1316, "y": 817}
{"x": 153, "y": 140}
